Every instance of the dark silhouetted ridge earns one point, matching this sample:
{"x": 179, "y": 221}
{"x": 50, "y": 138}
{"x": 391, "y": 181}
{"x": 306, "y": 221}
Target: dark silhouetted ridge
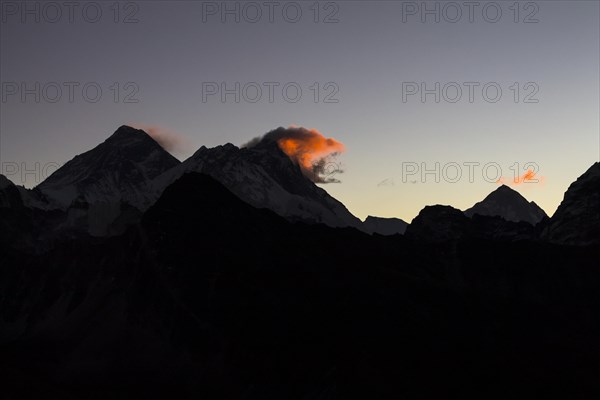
{"x": 509, "y": 204}
{"x": 384, "y": 226}
{"x": 577, "y": 219}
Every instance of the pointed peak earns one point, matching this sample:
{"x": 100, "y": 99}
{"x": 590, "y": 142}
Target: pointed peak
{"x": 505, "y": 191}
{"x": 509, "y": 204}
{"x": 126, "y": 133}
{"x": 118, "y": 168}
{"x": 126, "y": 130}
{"x": 505, "y": 188}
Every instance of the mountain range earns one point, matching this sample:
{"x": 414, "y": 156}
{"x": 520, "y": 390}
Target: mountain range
{"x": 106, "y": 189}
{"x": 263, "y": 176}
{"x": 197, "y": 284}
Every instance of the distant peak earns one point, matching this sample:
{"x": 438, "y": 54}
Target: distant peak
{"x": 509, "y": 204}
{"x": 120, "y": 168}
{"x": 505, "y": 188}
{"x": 126, "y": 130}
{"x": 504, "y": 191}
{"x": 127, "y": 134}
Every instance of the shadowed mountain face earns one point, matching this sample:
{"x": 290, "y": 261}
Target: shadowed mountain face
{"x": 265, "y": 177}
{"x": 228, "y": 217}
{"x": 9, "y": 194}
{"x": 14, "y": 224}
{"x": 438, "y": 224}
{"x": 508, "y": 204}
{"x": 384, "y": 226}
{"x": 24, "y": 227}
{"x": 120, "y": 169}
{"x": 577, "y": 219}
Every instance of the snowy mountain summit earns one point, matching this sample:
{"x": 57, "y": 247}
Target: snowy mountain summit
{"x": 265, "y": 177}
{"x": 130, "y": 169}
{"x": 119, "y": 169}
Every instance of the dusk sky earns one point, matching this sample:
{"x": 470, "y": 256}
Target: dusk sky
{"x": 360, "y": 59}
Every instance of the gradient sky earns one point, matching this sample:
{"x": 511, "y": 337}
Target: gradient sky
{"x": 368, "y": 54}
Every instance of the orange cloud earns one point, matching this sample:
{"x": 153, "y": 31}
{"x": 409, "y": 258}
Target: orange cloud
{"x": 308, "y": 148}
{"x": 528, "y": 177}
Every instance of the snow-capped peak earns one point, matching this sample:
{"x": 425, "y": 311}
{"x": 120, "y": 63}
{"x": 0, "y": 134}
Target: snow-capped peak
{"x": 119, "y": 169}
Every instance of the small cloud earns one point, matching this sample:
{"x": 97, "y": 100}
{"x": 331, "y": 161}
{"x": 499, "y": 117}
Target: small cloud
{"x": 169, "y": 140}
{"x": 528, "y": 177}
